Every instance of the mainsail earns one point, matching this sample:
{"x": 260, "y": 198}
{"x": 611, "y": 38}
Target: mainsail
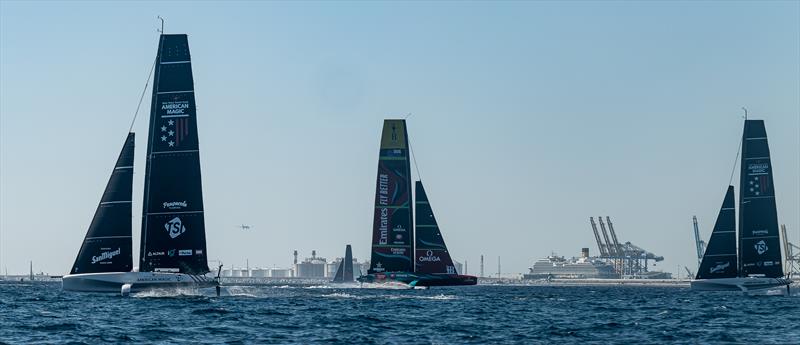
{"x": 431, "y": 252}
{"x": 719, "y": 259}
{"x": 173, "y": 227}
{"x": 393, "y": 232}
{"x": 344, "y": 273}
{"x": 107, "y": 246}
{"x": 759, "y": 241}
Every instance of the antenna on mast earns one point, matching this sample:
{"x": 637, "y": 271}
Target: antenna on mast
{"x": 745, "y": 113}
{"x": 162, "y": 25}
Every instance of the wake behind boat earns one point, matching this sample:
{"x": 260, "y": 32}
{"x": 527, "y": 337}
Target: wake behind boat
{"x": 173, "y": 243}
{"x": 402, "y": 252}
{"x": 757, "y": 264}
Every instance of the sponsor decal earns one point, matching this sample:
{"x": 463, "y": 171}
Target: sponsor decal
{"x": 394, "y": 132}
{"x": 757, "y": 168}
{"x": 175, "y": 205}
{"x": 767, "y": 263}
{"x": 175, "y": 122}
{"x": 429, "y": 257}
{"x": 175, "y": 227}
{"x": 761, "y": 247}
{"x": 171, "y": 252}
{"x": 760, "y": 232}
{"x": 719, "y": 267}
{"x": 155, "y": 253}
{"x": 198, "y": 252}
{"x": 399, "y": 251}
{"x": 106, "y": 255}
{"x": 399, "y": 228}
{"x": 451, "y": 270}
{"x": 378, "y": 267}
{"x": 185, "y": 252}
{"x": 383, "y": 200}
{"x": 175, "y": 107}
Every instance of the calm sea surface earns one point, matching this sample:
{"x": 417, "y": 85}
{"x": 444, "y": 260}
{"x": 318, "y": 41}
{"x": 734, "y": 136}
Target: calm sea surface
{"x": 42, "y": 313}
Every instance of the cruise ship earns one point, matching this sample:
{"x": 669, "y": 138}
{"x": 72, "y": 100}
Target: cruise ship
{"x": 558, "y": 267}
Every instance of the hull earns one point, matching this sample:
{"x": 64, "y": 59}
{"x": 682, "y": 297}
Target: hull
{"x": 419, "y": 279}
{"x": 738, "y": 284}
{"x": 139, "y": 281}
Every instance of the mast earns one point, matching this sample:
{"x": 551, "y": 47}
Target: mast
{"x": 392, "y": 227}
{"x": 173, "y": 225}
{"x": 759, "y": 241}
{"x": 108, "y": 246}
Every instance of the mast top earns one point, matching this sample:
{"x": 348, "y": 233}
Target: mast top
{"x": 162, "y": 25}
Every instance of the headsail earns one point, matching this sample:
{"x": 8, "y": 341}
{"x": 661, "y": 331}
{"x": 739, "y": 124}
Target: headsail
{"x": 431, "y": 252}
{"x": 759, "y": 241}
{"x": 719, "y": 259}
{"x": 344, "y": 273}
{"x": 393, "y": 232}
{"x": 107, "y": 246}
{"x": 173, "y": 227}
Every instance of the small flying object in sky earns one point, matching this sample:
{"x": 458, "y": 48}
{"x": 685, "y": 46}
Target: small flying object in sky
{"x": 243, "y": 227}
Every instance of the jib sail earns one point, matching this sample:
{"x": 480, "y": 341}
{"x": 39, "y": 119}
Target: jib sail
{"x": 173, "y": 227}
{"x": 393, "y": 233}
{"x": 431, "y": 252}
{"x": 719, "y": 259}
{"x": 759, "y": 244}
{"x": 107, "y": 246}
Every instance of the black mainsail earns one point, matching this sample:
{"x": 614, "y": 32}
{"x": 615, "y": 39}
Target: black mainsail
{"x": 344, "y": 274}
{"x": 173, "y": 227}
{"x": 719, "y": 259}
{"x": 759, "y": 241}
{"x": 107, "y": 246}
{"x": 393, "y": 232}
{"x": 431, "y": 252}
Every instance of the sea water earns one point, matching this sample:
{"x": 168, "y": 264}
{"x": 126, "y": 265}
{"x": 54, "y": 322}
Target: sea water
{"x": 330, "y": 314}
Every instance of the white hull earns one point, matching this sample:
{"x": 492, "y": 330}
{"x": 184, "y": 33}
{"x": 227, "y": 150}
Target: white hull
{"x": 139, "y": 281}
{"x": 738, "y": 284}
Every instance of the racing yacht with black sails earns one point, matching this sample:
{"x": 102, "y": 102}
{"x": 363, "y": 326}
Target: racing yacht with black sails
{"x": 173, "y": 242}
{"x": 394, "y": 257}
{"x": 757, "y": 263}
{"x": 344, "y": 274}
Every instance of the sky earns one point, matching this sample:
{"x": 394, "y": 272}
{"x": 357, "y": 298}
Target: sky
{"x": 526, "y": 119}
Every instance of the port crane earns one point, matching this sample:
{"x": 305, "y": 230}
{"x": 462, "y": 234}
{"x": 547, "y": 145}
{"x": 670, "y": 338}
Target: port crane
{"x": 792, "y": 253}
{"x": 628, "y": 259}
{"x": 700, "y": 245}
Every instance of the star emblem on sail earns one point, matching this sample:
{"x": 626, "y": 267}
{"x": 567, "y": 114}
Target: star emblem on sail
{"x": 175, "y": 227}
{"x": 758, "y": 185}
{"x": 174, "y": 131}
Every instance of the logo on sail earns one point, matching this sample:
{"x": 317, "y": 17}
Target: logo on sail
{"x": 720, "y": 267}
{"x": 106, "y": 255}
{"x": 175, "y": 205}
{"x": 175, "y": 227}
{"x": 429, "y": 257}
{"x": 761, "y": 247}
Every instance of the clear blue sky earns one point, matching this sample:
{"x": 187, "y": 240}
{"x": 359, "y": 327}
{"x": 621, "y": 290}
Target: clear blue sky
{"x": 528, "y": 117}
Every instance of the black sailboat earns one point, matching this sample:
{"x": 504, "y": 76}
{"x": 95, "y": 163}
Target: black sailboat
{"x": 173, "y": 244}
{"x": 393, "y": 236}
{"x": 107, "y": 246}
{"x": 344, "y": 273}
{"x": 757, "y": 263}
